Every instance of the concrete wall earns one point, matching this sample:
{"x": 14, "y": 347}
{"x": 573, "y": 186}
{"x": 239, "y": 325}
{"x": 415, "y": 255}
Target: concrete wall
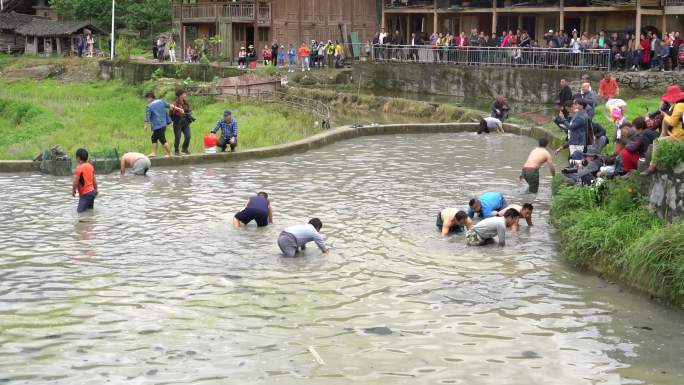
{"x": 325, "y": 138}
{"x": 537, "y": 86}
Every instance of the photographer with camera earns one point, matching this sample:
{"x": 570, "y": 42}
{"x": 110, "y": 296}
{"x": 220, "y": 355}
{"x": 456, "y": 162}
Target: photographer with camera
{"x": 181, "y": 116}
{"x": 584, "y": 172}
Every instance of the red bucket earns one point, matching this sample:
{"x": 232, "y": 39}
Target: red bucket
{"x": 210, "y": 141}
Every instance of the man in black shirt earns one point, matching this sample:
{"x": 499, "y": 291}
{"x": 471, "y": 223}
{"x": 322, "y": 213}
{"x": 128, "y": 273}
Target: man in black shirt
{"x": 564, "y": 96}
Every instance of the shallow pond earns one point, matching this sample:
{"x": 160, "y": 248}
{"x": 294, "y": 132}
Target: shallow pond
{"x": 155, "y": 287}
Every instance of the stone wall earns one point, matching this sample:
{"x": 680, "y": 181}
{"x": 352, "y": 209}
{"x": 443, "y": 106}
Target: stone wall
{"x": 136, "y": 73}
{"x": 529, "y": 85}
{"x": 649, "y": 81}
{"x": 665, "y": 191}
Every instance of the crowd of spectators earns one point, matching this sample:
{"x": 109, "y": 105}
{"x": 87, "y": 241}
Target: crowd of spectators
{"x": 317, "y": 54}
{"x": 590, "y": 156}
{"x": 626, "y": 52}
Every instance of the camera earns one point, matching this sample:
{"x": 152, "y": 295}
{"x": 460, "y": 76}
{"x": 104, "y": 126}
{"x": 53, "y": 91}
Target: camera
{"x": 569, "y": 170}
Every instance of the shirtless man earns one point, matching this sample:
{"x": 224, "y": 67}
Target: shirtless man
{"x": 136, "y": 161}
{"x": 452, "y": 220}
{"x": 535, "y": 161}
{"x": 525, "y": 213}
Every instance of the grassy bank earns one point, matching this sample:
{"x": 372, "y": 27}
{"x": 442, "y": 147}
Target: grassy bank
{"x": 608, "y": 229}
{"x": 104, "y": 115}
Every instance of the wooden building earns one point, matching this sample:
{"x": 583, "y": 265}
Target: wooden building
{"x": 535, "y": 16}
{"x": 50, "y": 37}
{"x": 241, "y": 23}
{"x": 10, "y": 41}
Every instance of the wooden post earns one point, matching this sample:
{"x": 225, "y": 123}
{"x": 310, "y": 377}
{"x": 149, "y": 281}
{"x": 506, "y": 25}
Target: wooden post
{"x": 494, "y": 17}
{"x": 181, "y": 33}
{"x": 520, "y": 21}
{"x": 637, "y": 25}
{"x": 562, "y": 16}
{"x": 664, "y": 26}
{"x": 435, "y": 17}
{"x": 299, "y": 25}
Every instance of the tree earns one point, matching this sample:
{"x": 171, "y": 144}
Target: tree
{"x": 145, "y": 16}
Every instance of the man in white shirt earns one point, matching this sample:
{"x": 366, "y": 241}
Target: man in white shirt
{"x": 485, "y": 231}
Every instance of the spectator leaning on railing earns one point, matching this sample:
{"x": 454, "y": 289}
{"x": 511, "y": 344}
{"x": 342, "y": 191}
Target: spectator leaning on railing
{"x": 557, "y": 49}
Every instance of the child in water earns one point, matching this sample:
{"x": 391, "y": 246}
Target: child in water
{"x": 84, "y": 182}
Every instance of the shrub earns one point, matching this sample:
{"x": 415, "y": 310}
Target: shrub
{"x": 619, "y": 196}
{"x": 124, "y": 47}
{"x": 158, "y": 73}
{"x": 669, "y": 153}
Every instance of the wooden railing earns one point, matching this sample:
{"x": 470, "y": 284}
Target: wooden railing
{"x": 264, "y": 12}
{"x": 235, "y": 11}
{"x": 238, "y": 11}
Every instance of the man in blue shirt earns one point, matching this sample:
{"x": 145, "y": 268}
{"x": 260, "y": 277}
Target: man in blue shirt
{"x": 486, "y": 204}
{"x": 158, "y": 119}
{"x": 295, "y": 238}
{"x": 577, "y": 128}
{"x": 229, "y": 132}
{"x": 258, "y": 209}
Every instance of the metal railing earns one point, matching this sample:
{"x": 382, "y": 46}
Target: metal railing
{"x": 673, "y": 3}
{"x": 595, "y": 59}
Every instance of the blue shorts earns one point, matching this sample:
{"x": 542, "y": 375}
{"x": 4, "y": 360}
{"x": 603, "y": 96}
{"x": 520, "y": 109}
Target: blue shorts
{"x": 86, "y": 202}
{"x": 247, "y": 215}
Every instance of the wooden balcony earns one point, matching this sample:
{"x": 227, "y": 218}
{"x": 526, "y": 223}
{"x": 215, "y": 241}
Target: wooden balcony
{"x": 235, "y": 12}
{"x": 674, "y": 7}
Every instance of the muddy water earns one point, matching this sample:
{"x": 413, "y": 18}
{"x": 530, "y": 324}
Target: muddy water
{"x": 155, "y": 288}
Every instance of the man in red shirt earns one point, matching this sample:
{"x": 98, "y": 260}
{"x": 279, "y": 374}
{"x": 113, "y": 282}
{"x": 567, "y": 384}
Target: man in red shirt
{"x": 84, "y": 182}
{"x": 608, "y": 88}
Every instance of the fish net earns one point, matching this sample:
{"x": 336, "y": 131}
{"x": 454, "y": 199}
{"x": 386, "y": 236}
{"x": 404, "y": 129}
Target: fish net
{"x": 55, "y": 162}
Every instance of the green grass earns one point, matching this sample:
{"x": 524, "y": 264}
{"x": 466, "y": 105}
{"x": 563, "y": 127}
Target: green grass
{"x": 100, "y": 116}
{"x": 608, "y": 228}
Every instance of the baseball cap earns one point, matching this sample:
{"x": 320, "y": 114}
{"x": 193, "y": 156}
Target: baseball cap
{"x": 226, "y": 113}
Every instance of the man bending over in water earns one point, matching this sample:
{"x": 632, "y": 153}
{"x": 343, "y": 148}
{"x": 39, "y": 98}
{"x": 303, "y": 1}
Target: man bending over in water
{"x": 258, "y": 209}
{"x": 525, "y": 213}
{"x": 485, "y": 231}
{"x": 537, "y": 158}
{"x": 486, "y": 204}
{"x": 295, "y": 238}
{"x": 452, "y": 220}
{"x": 137, "y": 162}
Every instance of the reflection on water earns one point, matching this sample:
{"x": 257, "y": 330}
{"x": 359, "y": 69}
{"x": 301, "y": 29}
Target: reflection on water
{"x": 155, "y": 286}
